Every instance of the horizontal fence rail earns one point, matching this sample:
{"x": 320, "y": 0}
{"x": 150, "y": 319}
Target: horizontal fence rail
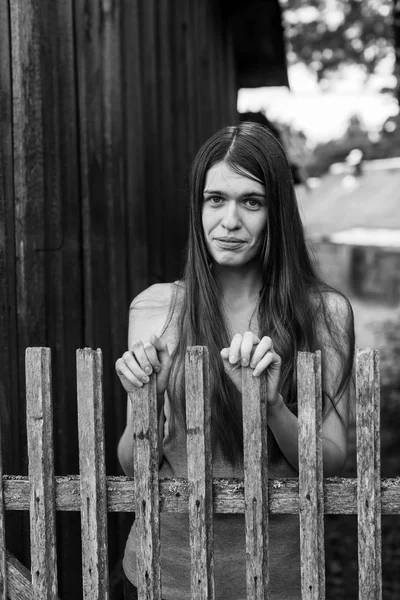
{"x": 256, "y": 496}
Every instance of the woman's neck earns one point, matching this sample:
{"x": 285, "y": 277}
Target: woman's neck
{"x": 238, "y": 285}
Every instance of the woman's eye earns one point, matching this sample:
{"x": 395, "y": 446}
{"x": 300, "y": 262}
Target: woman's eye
{"x": 214, "y": 200}
{"x": 252, "y": 203}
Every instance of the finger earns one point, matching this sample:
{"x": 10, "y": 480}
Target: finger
{"x": 225, "y": 354}
{"x": 246, "y": 348}
{"x": 152, "y": 355}
{"x": 141, "y": 356}
{"x": 130, "y": 361}
{"x": 128, "y": 379}
{"x": 262, "y": 348}
{"x": 270, "y": 359}
{"x": 234, "y": 349}
{"x": 162, "y": 349}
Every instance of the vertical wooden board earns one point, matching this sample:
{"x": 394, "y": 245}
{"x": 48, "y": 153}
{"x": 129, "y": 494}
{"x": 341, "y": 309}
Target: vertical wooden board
{"x": 198, "y": 423}
{"x": 3, "y": 556}
{"x": 145, "y": 464}
{"x": 311, "y": 476}
{"x": 11, "y": 404}
{"x": 206, "y": 92}
{"x": 368, "y": 475}
{"x": 64, "y": 290}
{"x": 230, "y": 77}
{"x": 115, "y": 224}
{"x": 62, "y": 256}
{"x": 167, "y": 140}
{"x": 28, "y": 182}
{"x": 89, "y": 81}
{"x": 39, "y": 420}
{"x": 255, "y": 485}
{"x": 113, "y": 170}
{"x": 153, "y": 159}
{"x": 138, "y": 246}
{"x": 218, "y": 32}
{"x": 176, "y": 216}
{"x": 93, "y": 484}
{"x": 28, "y": 166}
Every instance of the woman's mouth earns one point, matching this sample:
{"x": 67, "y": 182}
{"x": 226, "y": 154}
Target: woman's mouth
{"x": 229, "y": 243}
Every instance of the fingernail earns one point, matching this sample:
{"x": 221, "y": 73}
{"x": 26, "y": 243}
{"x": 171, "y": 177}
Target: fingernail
{"x": 145, "y": 379}
{"x": 245, "y": 362}
{"x": 232, "y": 358}
{"x": 147, "y": 370}
{"x": 157, "y": 369}
{"x": 255, "y": 373}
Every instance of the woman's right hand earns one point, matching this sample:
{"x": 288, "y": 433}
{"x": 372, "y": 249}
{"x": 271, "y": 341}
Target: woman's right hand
{"x": 137, "y": 364}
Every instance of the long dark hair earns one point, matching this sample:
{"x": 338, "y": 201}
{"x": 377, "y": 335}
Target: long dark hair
{"x": 291, "y": 297}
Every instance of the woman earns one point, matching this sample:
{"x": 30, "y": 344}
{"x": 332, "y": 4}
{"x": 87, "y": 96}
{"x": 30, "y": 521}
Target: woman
{"x": 250, "y": 294}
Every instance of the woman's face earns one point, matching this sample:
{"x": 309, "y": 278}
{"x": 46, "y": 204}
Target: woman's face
{"x": 234, "y": 216}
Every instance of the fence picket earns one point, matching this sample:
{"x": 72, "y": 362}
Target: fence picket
{"x": 39, "y": 420}
{"x": 368, "y": 476}
{"x": 198, "y": 424}
{"x": 255, "y": 485}
{"x": 93, "y": 474}
{"x": 145, "y": 465}
{"x": 311, "y": 501}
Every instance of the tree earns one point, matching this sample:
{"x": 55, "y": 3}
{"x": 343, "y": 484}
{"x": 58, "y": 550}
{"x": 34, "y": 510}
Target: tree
{"x": 326, "y": 34}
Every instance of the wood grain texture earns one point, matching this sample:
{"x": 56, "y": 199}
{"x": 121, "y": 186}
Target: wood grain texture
{"x": 311, "y": 501}
{"x": 39, "y": 421}
{"x": 368, "y": 475}
{"x": 9, "y": 380}
{"x": 93, "y": 503}
{"x": 3, "y": 557}
{"x": 19, "y": 580}
{"x": 134, "y": 132}
{"x": 198, "y": 426}
{"x": 340, "y": 495}
{"x": 255, "y": 484}
{"x": 145, "y": 461}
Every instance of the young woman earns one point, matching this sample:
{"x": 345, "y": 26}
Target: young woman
{"x": 251, "y": 295}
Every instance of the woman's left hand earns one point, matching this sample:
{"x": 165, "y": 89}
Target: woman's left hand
{"x": 248, "y": 350}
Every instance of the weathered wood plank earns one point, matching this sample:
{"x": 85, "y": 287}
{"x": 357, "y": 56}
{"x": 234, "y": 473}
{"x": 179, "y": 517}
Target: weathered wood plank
{"x": 368, "y": 476}
{"x": 145, "y": 464}
{"x": 39, "y": 421}
{"x": 311, "y": 501}
{"x": 255, "y": 484}
{"x": 198, "y": 424}
{"x": 340, "y": 495}
{"x": 3, "y": 557}
{"x": 11, "y": 411}
{"x": 92, "y": 474}
{"x": 19, "y": 580}
{"x": 137, "y": 229}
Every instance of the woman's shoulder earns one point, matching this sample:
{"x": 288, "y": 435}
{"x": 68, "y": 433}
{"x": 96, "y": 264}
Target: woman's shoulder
{"x": 331, "y": 302}
{"x": 158, "y": 296}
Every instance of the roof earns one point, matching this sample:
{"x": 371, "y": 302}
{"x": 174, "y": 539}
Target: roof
{"x": 258, "y": 42}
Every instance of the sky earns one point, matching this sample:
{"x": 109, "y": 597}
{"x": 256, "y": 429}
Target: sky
{"x": 324, "y": 114}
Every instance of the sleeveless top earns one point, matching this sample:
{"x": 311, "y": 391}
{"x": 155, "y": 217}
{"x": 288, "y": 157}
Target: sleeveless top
{"x": 229, "y": 531}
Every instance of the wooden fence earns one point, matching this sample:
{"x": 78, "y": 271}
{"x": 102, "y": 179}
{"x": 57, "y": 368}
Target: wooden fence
{"x": 93, "y": 493}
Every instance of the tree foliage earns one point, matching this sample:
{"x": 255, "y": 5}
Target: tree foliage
{"x": 326, "y": 34}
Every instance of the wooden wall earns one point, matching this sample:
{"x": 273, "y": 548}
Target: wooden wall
{"x": 103, "y": 104}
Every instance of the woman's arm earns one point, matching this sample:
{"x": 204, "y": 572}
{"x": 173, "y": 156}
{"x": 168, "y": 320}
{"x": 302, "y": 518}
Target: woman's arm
{"x": 148, "y": 314}
{"x": 284, "y": 424}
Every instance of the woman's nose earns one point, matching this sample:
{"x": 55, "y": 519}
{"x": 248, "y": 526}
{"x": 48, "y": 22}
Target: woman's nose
{"x": 231, "y": 218}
